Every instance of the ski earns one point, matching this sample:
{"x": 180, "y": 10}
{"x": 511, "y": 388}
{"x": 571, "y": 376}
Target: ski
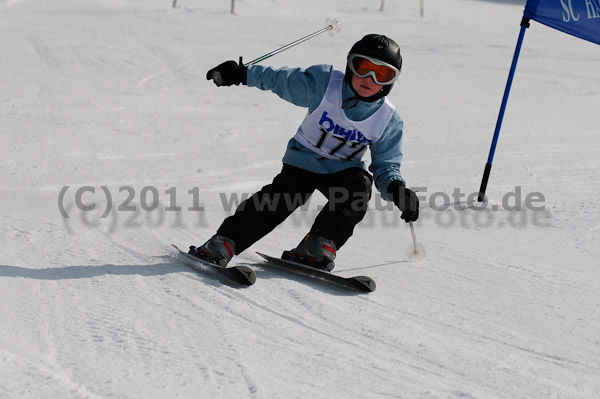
{"x": 360, "y": 283}
{"x": 240, "y": 274}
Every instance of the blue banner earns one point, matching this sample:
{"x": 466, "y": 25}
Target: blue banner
{"x": 580, "y": 18}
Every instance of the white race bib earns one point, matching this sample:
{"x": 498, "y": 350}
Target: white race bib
{"x": 328, "y": 131}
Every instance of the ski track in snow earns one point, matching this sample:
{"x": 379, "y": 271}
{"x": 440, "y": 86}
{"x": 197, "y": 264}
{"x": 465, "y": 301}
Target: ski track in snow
{"x": 113, "y": 94}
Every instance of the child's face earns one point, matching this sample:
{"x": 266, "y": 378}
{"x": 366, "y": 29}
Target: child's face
{"x": 365, "y": 87}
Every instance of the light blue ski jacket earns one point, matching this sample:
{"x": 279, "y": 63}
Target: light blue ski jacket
{"x": 306, "y": 88}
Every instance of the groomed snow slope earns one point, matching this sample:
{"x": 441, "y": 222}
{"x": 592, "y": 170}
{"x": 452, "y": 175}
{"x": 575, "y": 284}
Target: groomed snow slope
{"x": 112, "y": 95}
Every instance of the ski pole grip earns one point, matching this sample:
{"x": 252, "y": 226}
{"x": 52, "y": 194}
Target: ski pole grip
{"x": 217, "y": 78}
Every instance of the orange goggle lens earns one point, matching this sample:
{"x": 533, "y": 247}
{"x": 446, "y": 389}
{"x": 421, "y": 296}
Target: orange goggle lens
{"x": 383, "y": 74}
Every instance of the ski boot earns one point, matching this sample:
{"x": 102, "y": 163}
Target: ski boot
{"x": 218, "y": 250}
{"x": 314, "y": 251}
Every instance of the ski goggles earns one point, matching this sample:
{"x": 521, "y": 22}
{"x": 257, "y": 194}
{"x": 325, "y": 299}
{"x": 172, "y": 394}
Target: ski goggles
{"x": 381, "y": 72}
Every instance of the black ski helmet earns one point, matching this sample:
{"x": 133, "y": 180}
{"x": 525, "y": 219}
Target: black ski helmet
{"x": 381, "y": 48}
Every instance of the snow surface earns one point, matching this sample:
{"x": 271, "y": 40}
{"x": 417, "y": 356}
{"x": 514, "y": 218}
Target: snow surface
{"x": 112, "y": 93}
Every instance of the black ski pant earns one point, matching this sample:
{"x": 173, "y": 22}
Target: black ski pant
{"x": 348, "y": 193}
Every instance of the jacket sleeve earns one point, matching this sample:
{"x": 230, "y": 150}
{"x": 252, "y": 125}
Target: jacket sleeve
{"x": 302, "y": 87}
{"x": 386, "y": 156}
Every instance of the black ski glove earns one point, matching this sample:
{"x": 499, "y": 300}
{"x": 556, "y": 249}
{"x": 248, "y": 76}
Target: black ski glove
{"x": 405, "y": 199}
{"x": 228, "y": 73}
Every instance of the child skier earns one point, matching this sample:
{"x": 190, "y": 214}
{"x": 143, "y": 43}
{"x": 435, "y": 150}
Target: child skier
{"x": 347, "y": 112}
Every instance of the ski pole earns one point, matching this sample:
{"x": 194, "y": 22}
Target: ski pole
{"x": 414, "y": 237}
{"x": 416, "y": 251}
{"x": 332, "y": 25}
